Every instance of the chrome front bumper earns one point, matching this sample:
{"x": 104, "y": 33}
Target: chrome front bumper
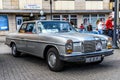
{"x": 81, "y": 57}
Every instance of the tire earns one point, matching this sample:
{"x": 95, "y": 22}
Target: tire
{"x": 53, "y": 61}
{"x": 15, "y": 53}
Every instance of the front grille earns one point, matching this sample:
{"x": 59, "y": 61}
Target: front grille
{"x": 89, "y": 46}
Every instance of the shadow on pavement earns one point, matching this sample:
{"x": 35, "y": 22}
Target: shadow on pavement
{"x": 76, "y": 67}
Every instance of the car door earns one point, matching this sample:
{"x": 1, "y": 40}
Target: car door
{"x": 32, "y": 38}
{"x": 20, "y": 41}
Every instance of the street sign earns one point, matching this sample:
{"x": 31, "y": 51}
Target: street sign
{"x": 32, "y": 6}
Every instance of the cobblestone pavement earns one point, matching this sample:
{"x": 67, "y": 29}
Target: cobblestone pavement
{"x": 33, "y": 68}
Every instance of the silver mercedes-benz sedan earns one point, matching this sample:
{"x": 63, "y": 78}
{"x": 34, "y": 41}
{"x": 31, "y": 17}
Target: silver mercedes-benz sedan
{"x": 58, "y": 42}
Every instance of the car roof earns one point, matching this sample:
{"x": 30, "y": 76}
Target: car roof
{"x": 44, "y": 21}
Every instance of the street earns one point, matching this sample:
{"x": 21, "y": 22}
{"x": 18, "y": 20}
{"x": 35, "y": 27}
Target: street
{"x": 30, "y": 67}
{"x": 4, "y": 49}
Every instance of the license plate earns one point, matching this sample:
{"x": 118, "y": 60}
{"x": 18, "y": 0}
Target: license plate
{"x": 93, "y": 59}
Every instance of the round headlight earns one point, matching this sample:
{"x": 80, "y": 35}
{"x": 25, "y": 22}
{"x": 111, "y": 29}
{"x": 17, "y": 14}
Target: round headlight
{"x": 69, "y": 46}
{"x": 98, "y": 46}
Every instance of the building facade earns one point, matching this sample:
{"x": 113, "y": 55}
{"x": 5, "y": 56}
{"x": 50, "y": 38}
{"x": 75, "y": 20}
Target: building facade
{"x": 14, "y": 12}
{"x": 112, "y": 7}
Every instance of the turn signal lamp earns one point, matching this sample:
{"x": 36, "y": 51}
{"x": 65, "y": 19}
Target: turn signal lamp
{"x": 109, "y": 43}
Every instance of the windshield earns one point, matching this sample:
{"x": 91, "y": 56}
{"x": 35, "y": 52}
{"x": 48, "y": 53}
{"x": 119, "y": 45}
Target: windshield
{"x": 55, "y": 27}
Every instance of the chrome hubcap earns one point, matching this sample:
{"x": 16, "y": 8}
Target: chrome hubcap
{"x": 13, "y": 50}
{"x": 51, "y": 59}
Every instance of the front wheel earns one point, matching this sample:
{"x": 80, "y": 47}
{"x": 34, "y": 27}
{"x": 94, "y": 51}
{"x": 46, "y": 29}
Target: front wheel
{"x": 15, "y": 53}
{"x": 53, "y": 61}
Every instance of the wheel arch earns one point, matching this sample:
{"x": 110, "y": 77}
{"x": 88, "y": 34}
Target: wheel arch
{"x": 47, "y": 48}
{"x": 12, "y": 42}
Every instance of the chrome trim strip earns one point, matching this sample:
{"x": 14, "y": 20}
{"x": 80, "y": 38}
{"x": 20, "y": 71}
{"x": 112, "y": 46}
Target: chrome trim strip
{"x": 37, "y": 41}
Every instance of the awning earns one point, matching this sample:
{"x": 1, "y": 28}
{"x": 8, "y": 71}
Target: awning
{"x": 55, "y": 11}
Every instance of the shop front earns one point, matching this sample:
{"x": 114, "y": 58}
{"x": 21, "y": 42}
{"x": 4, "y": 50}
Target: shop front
{"x": 12, "y": 19}
{"x": 92, "y": 19}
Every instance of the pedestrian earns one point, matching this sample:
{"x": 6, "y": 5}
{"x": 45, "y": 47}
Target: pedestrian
{"x": 109, "y": 26}
{"x": 82, "y": 27}
{"x": 99, "y": 24}
{"x": 89, "y": 28}
{"x": 104, "y": 29}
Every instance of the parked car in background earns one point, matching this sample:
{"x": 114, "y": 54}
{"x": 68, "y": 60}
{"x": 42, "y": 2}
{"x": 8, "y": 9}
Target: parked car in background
{"x": 58, "y": 42}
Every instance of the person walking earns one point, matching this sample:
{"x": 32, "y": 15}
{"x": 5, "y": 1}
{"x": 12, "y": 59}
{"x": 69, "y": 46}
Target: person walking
{"x": 99, "y": 24}
{"x": 104, "y": 28}
{"x": 109, "y": 26}
{"x": 89, "y": 28}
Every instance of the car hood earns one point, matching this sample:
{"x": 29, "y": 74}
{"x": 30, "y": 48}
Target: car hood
{"x": 103, "y": 37}
{"x": 77, "y": 36}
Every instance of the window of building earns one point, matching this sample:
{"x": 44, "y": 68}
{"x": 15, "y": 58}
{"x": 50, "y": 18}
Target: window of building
{"x": 92, "y": 18}
{"x": 66, "y": 17}
{"x": 28, "y": 18}
{"x": 56, "y": 17}
{"x": 4, "y": 23}
{"x": 86, "y": 20}
{"x": 73, "y": 18}
{"x": 102, "y": 17}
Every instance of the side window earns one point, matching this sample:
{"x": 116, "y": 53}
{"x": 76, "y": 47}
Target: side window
{"x": 23, "y": 28}
{"x": 30, "y": 28}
